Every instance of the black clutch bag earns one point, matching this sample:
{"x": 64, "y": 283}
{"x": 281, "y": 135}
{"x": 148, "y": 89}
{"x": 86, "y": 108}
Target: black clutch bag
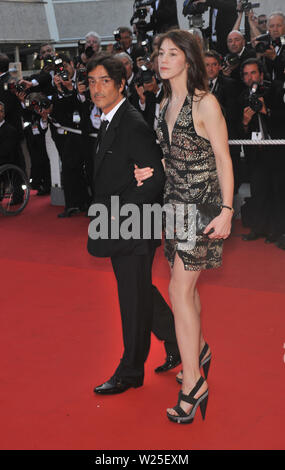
{"x": 205, "y": 213}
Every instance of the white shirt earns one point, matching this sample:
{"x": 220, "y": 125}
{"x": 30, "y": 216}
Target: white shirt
{"x": 2, "y": 122}
{"x": 111, "y": 114}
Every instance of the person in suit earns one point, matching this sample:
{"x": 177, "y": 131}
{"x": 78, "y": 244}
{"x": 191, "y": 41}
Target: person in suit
{"x": 164, "y": 16}
{"x": 263, "y": 212}
{"x": 240, "y": 52}
{"x": 222, "y": 17}
{"x": 226, "y": 91}
{"x": 125, "y": 140}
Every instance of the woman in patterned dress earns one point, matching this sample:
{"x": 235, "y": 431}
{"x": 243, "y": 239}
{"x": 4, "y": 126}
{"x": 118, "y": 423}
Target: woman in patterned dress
{"x": 193, "y": 136}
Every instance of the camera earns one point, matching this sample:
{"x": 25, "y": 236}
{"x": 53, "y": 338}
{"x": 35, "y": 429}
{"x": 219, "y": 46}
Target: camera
{"x": 265, "y": 41}
{"x": 59, "y": 69}
{"x": 139, "y": 16}
{"x": 14, "y": 86}
{"x": 49, "y": 61}
{"x": 88, "y": 51}
{"x": 191, "y": 7}
{"x": 81, "y": 74}
{"x": 144, "y": 76}
{"x": 256, "y": 91}
{"x": 41, "y": 103}
{"x": 246, "y": 5}
{"x": 232, "y": 60}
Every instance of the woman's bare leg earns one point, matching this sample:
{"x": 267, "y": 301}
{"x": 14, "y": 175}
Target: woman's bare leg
{"x": 186, "y": 309}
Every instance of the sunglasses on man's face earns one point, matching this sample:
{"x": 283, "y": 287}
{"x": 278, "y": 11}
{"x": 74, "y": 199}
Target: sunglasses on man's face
{"x": 262, "y": 21}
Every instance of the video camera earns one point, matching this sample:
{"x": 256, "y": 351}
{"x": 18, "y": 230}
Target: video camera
{"x": 139, "y": 16}
{"x": 246, "y": 5}
{"x": 265, "y": 41}
{"x": 194, "y": 10}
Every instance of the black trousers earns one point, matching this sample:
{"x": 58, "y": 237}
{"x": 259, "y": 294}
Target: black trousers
{"x": 74, "y": 179}
{"x": 143, "y": 310}
{"x": 264, "y": 212}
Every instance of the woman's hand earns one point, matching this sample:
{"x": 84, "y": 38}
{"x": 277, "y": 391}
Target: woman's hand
{"x": 142, "y": 174}
{"x": 221, "y": 225}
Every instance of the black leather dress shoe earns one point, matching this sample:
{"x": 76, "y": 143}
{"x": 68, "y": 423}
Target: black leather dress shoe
{"x": 69, "y": 212}
{"x": 171, "y": 361}
{"x": 251, "y": 236}
{"x": 115, "y": 386}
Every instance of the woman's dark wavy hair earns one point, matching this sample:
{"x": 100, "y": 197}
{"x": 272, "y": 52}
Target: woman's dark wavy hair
{"x": 187, "y": 43}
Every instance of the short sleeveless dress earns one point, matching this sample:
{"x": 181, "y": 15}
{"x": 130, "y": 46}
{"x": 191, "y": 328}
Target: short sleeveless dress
{"x": 191, "y": 178}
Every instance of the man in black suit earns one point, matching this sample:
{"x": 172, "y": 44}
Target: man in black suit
{"x": 263, "y": 213}
{"x": 164, "y": 16}
{"x": 223, "y": 15}
{"x": 125, "y": 140}
{"x": 226, "y": 91}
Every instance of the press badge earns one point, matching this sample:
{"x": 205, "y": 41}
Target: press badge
{"x": 256, "y": 136}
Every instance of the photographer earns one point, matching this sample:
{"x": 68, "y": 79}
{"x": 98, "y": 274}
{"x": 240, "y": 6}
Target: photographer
{"x": 72, "y": 109}
{"x": 43, "y": 81}
{"x": 163, "y": 16}
{"x": 37, "y": 109}
{"x": 130, "y": 83}
{"x": 238, "y": 53}
{"x": 275, "y": 54}
{"x": 262, "y": 116}
{"x": 150, "y": 96}
{"x": 222, "y": 17}
{"x": 226, "y": 91}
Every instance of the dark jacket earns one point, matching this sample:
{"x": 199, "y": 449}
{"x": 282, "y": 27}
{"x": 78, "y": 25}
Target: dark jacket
{"x": 226, "y": 18}
{"x": 165, "y": 17}
{"x": 128, "y": 141}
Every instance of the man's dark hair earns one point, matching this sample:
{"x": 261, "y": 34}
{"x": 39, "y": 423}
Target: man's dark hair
{"x": 251, "y": 61}
{"x": 125, "y": 29}
{"x": 4, "y": 63}
{"x": 214, "y": 55}
{"x": 115, "y": 68}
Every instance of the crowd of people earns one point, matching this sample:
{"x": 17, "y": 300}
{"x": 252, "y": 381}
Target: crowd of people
{"x": 245, "y": 72}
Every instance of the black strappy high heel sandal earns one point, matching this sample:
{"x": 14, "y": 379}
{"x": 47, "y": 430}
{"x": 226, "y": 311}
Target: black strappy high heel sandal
{"x": 202, "y": 401}
{"x": 205, "y": 363}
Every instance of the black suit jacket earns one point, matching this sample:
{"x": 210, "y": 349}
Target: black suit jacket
{"x": 13, "y": 109}
{"x": 128, "y": 141}
{"x": 164, "y": 17}
{"x": 227, "y": 92}
{"x": 9, "y": 144}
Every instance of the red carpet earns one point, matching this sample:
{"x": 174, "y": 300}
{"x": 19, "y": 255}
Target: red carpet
{"x": 61, "y": 335}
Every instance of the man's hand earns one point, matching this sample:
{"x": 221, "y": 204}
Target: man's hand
{"x": 263, "y": 110}
{"x": 81, "y": 87}
{"x": 142, "y": 174}
{"x": 26, "y": 83}
{"x": 21, "y": 95}
{"x": 248, "y": 113}
{"x": 140, "y": 92}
